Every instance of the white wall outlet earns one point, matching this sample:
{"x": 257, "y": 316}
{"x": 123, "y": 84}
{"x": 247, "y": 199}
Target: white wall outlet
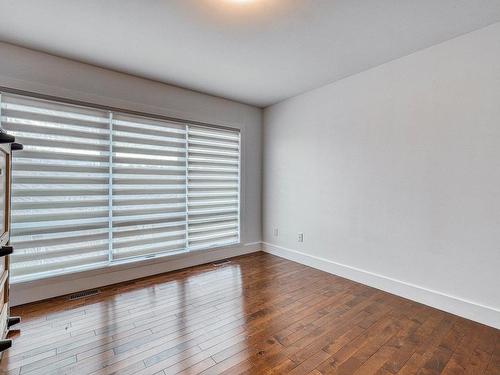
{"x": 301, "y": 237}
{"x": 276, "y": 232}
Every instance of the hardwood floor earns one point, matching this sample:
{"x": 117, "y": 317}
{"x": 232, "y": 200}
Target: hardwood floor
{"x": 259, "y": 314}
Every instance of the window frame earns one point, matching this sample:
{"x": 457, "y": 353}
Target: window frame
{"x": 139, "y": 260}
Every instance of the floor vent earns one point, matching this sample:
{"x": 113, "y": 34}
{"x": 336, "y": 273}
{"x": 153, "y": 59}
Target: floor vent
{"x": 85, "y": 293}
{"x": 221, "y": 262}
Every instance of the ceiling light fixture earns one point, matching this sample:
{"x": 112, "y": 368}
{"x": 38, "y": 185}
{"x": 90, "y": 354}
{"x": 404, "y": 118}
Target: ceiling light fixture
{"x": 240, "y": 1}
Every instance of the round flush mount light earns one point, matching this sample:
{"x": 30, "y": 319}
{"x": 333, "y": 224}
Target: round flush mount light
{"x": 240, "y": 1}
{"x": 251, "y": 13}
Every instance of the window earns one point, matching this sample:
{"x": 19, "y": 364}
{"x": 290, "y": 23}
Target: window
{"x": 94, "y": 187}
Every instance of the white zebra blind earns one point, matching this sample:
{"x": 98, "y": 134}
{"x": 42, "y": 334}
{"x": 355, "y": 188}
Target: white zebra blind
{"x": 60, "y": 185}
{"x": 213, "y": 187}
{"x": 148, "y": 187}
{"x": 93, "y": 187}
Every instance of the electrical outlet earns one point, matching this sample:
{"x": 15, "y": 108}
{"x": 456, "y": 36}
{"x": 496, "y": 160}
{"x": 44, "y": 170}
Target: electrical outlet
{"x": 276, "y": 232}
{"x": 301, "y": 237}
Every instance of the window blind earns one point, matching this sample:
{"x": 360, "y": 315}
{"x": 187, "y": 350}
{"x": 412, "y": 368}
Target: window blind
{"x": 59, "y": 187}
{"x": 148, "y": 187}
{"x": 94, "y": 187}
{"x": 213, "y": 187}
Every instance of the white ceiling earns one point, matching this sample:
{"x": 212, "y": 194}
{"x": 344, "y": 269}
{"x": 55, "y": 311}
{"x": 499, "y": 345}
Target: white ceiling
{"x": 254, "y": 51}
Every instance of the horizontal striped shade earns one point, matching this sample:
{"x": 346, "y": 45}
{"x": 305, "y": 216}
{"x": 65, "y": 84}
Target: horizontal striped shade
{"x": 148, "y": 187}
{"x": 60, "y": 186}
{"x": 213, "y": 187}
{"x": 93, "y": 187}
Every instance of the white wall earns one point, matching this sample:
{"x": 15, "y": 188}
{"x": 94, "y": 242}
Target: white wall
{"x": 393, "y": 176}
{"x": 33, "y": 71}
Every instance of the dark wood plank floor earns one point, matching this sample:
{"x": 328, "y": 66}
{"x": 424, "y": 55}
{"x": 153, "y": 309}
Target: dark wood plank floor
{"x": 259, "y": 314}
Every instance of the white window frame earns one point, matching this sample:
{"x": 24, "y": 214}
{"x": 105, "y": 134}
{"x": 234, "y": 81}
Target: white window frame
{"x": 117, "y": 263}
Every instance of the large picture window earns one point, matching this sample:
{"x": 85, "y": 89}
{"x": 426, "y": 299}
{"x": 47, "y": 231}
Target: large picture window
{"x": 93, "y": 187}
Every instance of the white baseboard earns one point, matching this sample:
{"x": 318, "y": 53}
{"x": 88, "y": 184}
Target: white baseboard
{"x": 25, "y": 292}
{"x": 455, "y": 305}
